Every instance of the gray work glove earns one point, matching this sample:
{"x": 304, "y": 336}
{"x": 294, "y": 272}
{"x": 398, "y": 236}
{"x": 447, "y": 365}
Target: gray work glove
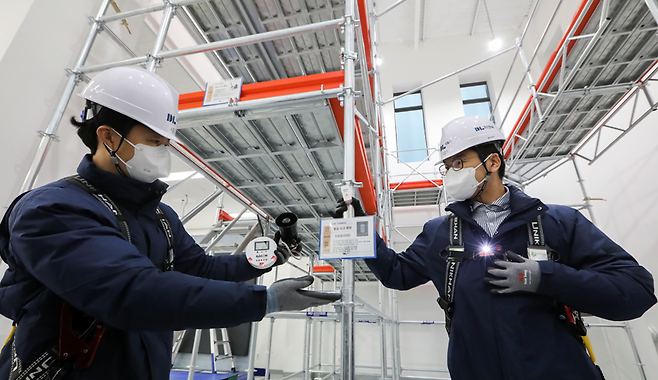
{"x": 341, "y": 207}
{"x": 286, "y": 295}
{"x": 518, "y": 274}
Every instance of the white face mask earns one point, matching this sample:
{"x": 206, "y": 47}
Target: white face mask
{"x": 462, "y": 184}
{"x": 149, "y": 162}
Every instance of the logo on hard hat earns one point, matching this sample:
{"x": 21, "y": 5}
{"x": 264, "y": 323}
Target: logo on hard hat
{"x": 483, "y": 128}
{"x": 171, "y": 118}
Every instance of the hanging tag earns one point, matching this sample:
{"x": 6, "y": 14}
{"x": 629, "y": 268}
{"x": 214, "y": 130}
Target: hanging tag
{"x": 537, "y": 254}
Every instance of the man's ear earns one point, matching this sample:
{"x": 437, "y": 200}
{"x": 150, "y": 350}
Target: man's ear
{"x": 107, "y": 136}
{"x": 494, "y": 162}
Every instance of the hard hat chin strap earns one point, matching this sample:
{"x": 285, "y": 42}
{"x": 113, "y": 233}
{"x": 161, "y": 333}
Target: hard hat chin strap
{"x": 486, "y": 178}
{"x": 113, "y": 155}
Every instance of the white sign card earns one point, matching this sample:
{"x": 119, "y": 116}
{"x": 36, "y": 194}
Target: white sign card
{"x": 227, "y": 91}
{"x": 352, "y": 238}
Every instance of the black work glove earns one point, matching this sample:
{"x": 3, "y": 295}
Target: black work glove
{"x": 341, "y": 207}
{"x": 287, "y": 295}
{"x": 282, "y": 253}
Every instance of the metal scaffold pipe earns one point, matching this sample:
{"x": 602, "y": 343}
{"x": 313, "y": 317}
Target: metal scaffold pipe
{"x": 252, "y": 344}
{"x": 347, "y": 312}
{"x": 74, "y": 78}
{"x": 224, "y": 44}
{"x": 168, "y": 15}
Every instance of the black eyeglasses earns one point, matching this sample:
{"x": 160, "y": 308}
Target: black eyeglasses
{"x": 456, "y": 163}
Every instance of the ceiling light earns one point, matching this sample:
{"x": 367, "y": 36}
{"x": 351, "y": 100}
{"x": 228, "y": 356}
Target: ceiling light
{"x": 179, "y": 176}
{"x": 495, "y": 44}
{"x": 378, "y": 60}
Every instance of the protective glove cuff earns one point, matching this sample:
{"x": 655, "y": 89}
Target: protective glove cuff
{"x": 272, "y": 302}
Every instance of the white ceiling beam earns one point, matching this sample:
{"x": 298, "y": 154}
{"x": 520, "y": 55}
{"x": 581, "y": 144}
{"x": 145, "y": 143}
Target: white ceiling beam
{"x": 389, "y": 8}
{"x": 477, "y": 10}
{"x": 418, "y": 22}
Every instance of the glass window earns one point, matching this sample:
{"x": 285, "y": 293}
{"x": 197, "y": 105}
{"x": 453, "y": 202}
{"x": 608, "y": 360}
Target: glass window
{"x": 476, "y": 100}
{"x": 410, "y": 128}
{"x": 474, "y": 92}
{"x": 411, "y": 100}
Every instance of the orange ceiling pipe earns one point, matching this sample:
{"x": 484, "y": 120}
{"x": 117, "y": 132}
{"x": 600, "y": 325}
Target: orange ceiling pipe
{"x": 417, "y": 185}
{"x": 365, "y": 29}
{"x": 273, "y": 88}
{"x": 548, "y": 75}
{"x": 323, "y": 269}
{"x": 361, "y": 167}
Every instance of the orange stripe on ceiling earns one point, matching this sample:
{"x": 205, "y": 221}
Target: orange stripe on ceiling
{"x": 416, "y": 185}
{"x": 323, "y": 269}
{"x": 523, "y": 121}
{"x": 273, "y": 88}
{"x": 361, "y": 167}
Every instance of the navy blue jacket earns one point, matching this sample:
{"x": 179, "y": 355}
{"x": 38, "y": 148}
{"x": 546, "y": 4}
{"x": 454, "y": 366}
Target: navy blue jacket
{"x": 65, "y": 245}
{"x": 518, "y": 336}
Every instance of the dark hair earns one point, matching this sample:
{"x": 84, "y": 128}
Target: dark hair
{"x": 484, "y": 150}
{"x": 102, "y": 116}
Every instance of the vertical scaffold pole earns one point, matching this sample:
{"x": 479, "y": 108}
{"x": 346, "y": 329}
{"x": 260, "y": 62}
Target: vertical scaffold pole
{"x": 382, "y": 331}
{"x": 168, "y": 14}
{"x": 252, "y": 344}
{"x": 270, "y": 335}
{"x": 347, "y": 312}
{"x": 308, "y": 328}
{"x": 53, "y": 125}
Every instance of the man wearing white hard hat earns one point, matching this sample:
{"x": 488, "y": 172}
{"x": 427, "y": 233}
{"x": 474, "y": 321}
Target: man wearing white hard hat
{"x": 100, "y": 271}
{"x": 513, "y": 274}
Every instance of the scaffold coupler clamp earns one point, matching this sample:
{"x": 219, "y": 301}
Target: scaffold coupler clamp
{"x": 158, "y": 60}
{"x": 51, "y": 136}
{"x": 344, "y": 55}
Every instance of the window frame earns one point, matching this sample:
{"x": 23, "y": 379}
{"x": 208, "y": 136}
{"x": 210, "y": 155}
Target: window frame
{"x": 408, "y": 109}
{"x": 479, "y": 100}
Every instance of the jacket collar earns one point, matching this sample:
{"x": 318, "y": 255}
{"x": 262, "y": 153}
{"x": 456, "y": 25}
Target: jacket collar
{"x": 126, "y": 191}
{"x": 523, "y": 209}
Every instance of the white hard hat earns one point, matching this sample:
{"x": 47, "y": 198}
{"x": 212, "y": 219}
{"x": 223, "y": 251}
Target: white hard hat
{"x": 138, "y": 94}
{"x": 467, "y": 132}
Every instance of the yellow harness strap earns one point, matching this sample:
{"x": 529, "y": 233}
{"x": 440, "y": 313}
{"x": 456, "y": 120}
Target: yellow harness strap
{"x": 590, "y": 350}
{"x": 11, "y": 334}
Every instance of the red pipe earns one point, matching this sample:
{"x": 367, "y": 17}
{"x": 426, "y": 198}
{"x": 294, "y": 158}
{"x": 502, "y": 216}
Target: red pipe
{"x": 417, "y": 185}
{"x": 361, "y": 167}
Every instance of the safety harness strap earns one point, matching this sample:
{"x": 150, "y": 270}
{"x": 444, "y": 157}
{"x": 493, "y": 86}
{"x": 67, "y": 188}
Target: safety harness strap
{"x": 453, "y": 262}
{"x": 163, "y": 222}
{"x": 537, "y": 246}
{"x": 105, "y": 200}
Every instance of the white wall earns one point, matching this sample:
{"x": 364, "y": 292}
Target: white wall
{"x": 12, "y": 16}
